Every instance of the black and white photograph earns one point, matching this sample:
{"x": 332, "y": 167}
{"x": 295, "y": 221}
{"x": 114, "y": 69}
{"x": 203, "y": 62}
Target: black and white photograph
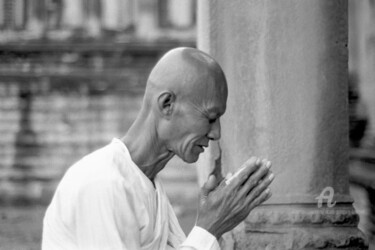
{"x": 187, "y": 124}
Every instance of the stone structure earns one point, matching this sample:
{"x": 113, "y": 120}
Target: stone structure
{"x": 72, "y": 75}
{"x": 286, "y": 66}
{"x": 118, "y": 20}
{"x": 60, "y": 101}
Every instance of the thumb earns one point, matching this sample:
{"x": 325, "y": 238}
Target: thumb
{"x": 209, "y": 185}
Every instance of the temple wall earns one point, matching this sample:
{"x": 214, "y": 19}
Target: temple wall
{"x": 72, "y": 76}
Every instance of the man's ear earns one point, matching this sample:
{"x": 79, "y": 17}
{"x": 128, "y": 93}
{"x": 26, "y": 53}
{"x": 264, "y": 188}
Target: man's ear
{"x": 166, "y": 101}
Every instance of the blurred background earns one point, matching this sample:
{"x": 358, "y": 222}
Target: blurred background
{"x": 72, "y": 76}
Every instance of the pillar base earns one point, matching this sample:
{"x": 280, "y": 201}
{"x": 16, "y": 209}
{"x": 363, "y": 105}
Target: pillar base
{"x": 299, "y": 226}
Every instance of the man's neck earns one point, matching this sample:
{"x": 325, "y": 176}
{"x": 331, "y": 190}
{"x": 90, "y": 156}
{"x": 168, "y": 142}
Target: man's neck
{"x": 145, "y": 149}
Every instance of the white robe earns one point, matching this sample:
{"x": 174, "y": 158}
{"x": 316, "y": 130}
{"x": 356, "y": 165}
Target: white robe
{"x": 105, "y": 201}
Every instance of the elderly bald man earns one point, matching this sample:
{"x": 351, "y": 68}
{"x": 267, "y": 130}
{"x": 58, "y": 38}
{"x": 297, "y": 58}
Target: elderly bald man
{"x": 113, "y": 199}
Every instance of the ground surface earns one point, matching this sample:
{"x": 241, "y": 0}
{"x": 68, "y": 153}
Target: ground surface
{"x": 20, "y": 228}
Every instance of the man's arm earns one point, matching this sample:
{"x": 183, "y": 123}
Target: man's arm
{"x": 200, "y": 239}
{"x": 224, "y": 205}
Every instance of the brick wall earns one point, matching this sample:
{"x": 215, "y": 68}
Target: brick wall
{"x": 61, "y": 101}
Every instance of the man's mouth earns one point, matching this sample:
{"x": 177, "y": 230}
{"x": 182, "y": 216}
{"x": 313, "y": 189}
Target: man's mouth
{"x": 201, "y": 147}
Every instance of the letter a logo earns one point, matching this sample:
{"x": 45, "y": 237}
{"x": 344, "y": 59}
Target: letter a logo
{"x": 326, "y": 194}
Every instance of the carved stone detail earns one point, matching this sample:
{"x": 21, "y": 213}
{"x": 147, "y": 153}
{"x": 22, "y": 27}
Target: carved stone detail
{"x": 300, "y": 238}
{"x": 339, "y": 215}
{"x": 302, "y": 226}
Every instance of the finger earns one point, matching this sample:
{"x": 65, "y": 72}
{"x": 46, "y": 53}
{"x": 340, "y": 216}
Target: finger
{"x": 260, "y": 188}
{"x": 254, "y": 187}
{"x": 217, "y": 170}
{"x": 266, "y": 174}
{"x": 228, "y": 176}
{"x": 249, "y": 167}
{"x": 267, "y": 163}
{"x": 210, "y": 185}
{"x": 255, "y": 179}
{"x": 265, "y": 195}
{"x": 260, "y": 172}
{"x": 226, "y": 180}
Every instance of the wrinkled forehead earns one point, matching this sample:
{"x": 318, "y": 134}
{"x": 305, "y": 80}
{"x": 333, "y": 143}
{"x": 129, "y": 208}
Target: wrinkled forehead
{"x": 206, "y": 83}
{"x": 208, "y": 96}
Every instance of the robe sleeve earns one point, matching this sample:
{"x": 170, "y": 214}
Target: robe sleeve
{"x": 200, "y": 239}
{"x": 105, "y": 218}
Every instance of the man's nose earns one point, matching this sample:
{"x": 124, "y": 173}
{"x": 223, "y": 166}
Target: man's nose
{"x": 214, "y": 133}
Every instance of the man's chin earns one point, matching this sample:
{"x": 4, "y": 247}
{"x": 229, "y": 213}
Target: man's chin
{"x": 190, "y": 159}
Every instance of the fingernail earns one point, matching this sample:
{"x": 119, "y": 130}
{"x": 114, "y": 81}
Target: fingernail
{"x": 257, "y": 162}
{"x": 268, "y": 164}
{"x": 271, "y": 177}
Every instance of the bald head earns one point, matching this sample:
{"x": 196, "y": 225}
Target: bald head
{"x": 185, "y": 97}
{"x": 186, "y": 72}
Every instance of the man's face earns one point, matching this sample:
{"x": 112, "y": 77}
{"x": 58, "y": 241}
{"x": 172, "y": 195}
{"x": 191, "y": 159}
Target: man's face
{"x": 196, "y": 122}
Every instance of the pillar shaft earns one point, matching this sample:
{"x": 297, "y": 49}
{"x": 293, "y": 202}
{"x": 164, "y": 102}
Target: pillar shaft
{"x": 286, "y": 67}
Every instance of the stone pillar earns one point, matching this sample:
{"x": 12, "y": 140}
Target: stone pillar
{"x": 286, "y": 67}
{"x": 93, "y": 17}
{"x": 36, "y": 17}
{"x": 118, "y": 14}
{"x": 73, "y": 13}
{"x": 180, "y": 13}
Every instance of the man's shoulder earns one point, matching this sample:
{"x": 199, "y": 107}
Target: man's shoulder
{"x": 99, "y": 158}
{"x": 96, "y": 166}
{"x": 107, "y": 169}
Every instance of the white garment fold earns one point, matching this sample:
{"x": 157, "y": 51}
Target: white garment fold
{"x": 105, "y": 201}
